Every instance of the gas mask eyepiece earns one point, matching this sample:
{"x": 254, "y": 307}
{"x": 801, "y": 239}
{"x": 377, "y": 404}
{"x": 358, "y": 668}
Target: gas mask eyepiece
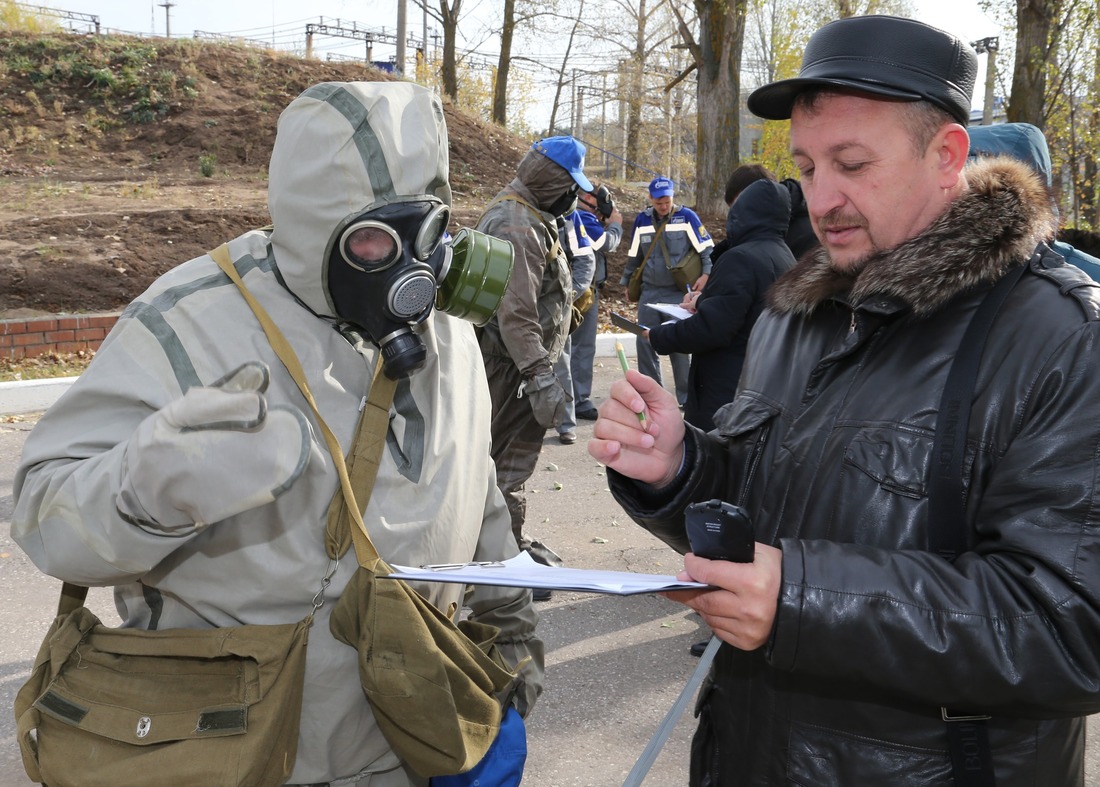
{"x": 373, "y": 244}
{"x": 392, "y": 265}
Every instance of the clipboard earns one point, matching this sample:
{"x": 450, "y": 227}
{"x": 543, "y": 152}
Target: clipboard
{"x": 627, "y": 325}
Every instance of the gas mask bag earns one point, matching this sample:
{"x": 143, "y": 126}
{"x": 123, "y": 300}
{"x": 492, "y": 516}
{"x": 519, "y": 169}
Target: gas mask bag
{"x": 389, "y": 266}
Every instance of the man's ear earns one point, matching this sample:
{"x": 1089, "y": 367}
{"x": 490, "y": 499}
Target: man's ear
{"x": 951, "y": 145}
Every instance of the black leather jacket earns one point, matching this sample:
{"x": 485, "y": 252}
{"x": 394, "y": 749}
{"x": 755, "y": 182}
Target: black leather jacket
{"x": 829, "y": 446}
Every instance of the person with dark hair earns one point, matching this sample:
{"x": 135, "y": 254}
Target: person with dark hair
{"x": 739, "y": 179}
{"x": 913, "y": 443}
{"x": 742, "y": 177}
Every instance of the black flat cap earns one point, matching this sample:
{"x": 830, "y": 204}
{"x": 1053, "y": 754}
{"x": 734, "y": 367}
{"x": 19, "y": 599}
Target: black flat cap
{"x": 883, "y": 55}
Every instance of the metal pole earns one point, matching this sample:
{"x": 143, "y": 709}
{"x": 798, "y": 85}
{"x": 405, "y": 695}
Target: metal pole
{"x": 402, "y": 19}
{"x": 603, "y": 129}
{"x": 990, "y": 75}
{"x": 578, "y": 130}
{"x": 988, "y": 47}
{"x": 167, "y": 6}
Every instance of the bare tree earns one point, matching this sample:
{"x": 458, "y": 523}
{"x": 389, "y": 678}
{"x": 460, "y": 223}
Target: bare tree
{"x": 561, "y": 71}
{"x": 1039, "y": 27}
{"x": 716, "y": 56}
{"x": 449, "y": 13}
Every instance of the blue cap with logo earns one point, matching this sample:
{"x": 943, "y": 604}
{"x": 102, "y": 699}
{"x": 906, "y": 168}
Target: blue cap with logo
{"x": 568, "y": 154}
{"x": 660, "y": 187}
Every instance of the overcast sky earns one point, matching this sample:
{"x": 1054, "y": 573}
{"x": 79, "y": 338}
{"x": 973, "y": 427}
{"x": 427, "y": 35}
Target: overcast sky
{"x": 281, "y": 23}
{"x": 258, "y": 18}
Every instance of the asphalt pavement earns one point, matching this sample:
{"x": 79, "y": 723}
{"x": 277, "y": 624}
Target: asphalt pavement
{"x": 615, "y": 665}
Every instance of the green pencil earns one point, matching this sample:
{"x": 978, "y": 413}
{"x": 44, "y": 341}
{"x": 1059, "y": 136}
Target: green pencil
{"x": 626, "y": 367}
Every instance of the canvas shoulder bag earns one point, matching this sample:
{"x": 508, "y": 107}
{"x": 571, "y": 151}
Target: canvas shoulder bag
{"x": 115, "y": 706}
{"x": 432, "y": 683}
{"x": 686, "y": 271}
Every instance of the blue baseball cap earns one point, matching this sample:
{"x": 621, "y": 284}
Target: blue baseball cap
{"x": 660, "y": 187}
{"x": 568, "y": 154}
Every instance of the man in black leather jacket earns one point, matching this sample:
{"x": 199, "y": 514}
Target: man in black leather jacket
{"x": 855, "y": 653}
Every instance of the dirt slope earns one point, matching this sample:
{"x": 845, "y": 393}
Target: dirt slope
{"x": 103, "y": 147}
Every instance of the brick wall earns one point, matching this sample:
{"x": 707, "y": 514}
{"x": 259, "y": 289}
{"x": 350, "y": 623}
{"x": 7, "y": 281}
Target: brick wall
{"x": 63, "y": 334}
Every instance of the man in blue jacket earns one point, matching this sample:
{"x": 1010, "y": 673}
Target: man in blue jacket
{"x": 666, "y": 236}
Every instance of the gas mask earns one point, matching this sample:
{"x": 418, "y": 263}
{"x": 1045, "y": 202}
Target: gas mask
{"x": 390, "y": 266}
{"x": 565, "y": 204}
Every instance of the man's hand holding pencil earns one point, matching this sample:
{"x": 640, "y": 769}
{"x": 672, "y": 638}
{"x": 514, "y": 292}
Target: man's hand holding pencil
{"x": 640, "y": 431}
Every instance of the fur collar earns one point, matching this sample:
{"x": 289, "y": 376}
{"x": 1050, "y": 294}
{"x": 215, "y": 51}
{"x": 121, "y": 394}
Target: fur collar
{"x": 995, "y": 224}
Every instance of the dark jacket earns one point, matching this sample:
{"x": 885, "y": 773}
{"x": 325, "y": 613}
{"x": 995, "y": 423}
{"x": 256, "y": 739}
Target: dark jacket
{"x": 800, "y": 234}
{"x": 828, "y": 445}
{"x": 718, "y": 333}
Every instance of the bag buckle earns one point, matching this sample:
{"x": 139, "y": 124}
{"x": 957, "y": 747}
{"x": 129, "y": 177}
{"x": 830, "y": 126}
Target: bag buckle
{"x": 950, "y": 717}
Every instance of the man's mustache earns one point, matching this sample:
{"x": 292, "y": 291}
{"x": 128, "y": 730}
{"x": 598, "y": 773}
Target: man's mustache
{"x": 837, "y": 220}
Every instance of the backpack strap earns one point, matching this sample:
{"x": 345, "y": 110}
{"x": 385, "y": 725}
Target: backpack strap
{"x": 555, "y": 246}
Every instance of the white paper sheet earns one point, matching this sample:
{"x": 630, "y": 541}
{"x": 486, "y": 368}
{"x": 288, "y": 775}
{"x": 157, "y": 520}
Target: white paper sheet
{"x": 673, "y": 310}
{"x": 523, "y": 572}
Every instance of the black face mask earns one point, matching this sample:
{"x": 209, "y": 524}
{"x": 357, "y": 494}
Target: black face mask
{"x": 383, "y": 273}
{"x": 565, "y": 204}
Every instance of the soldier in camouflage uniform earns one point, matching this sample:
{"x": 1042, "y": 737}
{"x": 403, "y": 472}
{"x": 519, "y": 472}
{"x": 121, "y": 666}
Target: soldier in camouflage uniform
{"x": 525, "y": 337}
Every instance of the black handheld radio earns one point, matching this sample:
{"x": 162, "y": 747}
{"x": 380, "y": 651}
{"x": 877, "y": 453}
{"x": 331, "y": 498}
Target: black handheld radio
{"x": 718, "y": 530}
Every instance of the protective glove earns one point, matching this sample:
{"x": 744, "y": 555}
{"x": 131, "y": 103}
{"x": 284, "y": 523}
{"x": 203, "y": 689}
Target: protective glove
{"x": 214, "y": 452}
{"x": 576, "y": 317}
{"x": 548, "y": 399}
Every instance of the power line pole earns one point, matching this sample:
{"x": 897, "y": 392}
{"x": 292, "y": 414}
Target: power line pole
{"x": 988, "y": 47}
{"x": 402, "y": 35}
{"x": 167, "y": 6}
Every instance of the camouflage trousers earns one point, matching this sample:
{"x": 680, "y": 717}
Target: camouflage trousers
{"x": 517, "y": 443}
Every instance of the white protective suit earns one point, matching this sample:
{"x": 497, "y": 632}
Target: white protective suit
{"x": 340, "y": 149}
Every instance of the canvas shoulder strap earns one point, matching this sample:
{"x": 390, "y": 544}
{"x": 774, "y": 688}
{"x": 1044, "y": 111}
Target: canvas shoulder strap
{"x": 375, "y": 414}
{"x": 555, "y": 247}
{"x": 653, "y": 245}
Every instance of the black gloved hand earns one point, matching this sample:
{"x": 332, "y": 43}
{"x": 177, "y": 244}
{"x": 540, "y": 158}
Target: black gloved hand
{"x": 548, "y": 399}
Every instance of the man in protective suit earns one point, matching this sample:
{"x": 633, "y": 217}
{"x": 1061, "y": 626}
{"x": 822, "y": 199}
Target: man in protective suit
{"x": 200, "y": 474}
{"x": 526, "y": 336}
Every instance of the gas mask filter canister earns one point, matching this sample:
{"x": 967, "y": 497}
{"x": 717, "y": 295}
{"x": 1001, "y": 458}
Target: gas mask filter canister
{"x": 389, "y": 267}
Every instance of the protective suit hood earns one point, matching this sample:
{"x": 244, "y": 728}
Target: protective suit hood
{"x": 546, "y": 180}
{"x": 343, "y": 148}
